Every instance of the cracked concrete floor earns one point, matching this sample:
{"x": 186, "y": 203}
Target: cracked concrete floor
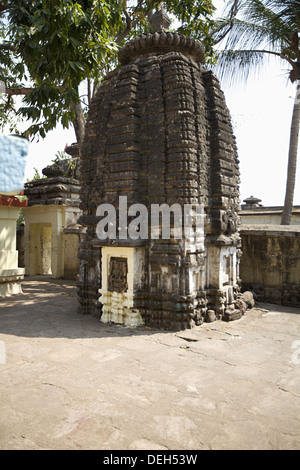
{"x": 70, "y": 382}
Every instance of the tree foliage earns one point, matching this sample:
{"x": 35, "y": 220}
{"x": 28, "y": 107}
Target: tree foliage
{"x": 251, "y": 32}
{"x": 49, "y": 47}
{"x": 52, "y": 46}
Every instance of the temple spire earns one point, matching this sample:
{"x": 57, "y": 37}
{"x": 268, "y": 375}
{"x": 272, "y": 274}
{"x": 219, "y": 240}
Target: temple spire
{"x": 160, "y": 20}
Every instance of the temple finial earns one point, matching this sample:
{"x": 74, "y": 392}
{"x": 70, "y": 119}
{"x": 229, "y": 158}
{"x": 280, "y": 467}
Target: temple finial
{"x": 160, "y": 20}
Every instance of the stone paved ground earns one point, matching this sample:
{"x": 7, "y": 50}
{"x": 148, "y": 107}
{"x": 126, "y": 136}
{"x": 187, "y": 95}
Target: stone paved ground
{"x": 71, "y": 382}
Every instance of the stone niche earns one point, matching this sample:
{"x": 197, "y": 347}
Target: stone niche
{"x": 159, "y": 132}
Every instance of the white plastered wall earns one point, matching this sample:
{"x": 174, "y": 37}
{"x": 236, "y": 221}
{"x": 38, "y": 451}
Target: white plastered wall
{"x": 10, "y": 273}
{"x": 222, "y": 269}
{"x": 119, "y": 307}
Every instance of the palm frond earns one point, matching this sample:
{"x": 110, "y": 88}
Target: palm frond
{"x": 275, "y": 20}
{"x": 287, "y": 10}
{"x": 236, "y": 66}
{"x": 249, "y": 35}
{"x": 254, "y": 30}
{"x": 275, "y": 15}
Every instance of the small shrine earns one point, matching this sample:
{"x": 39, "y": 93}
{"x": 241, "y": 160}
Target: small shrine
{"x": 159, "y": 176}
{"x": 51, "y": 237}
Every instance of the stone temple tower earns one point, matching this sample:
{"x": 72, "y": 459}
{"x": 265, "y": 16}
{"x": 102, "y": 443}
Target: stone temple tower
{"x": 159, "y": 137}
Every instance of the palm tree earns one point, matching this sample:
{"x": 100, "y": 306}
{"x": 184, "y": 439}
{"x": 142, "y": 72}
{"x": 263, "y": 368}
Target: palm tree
{"x": 253, "y": 31}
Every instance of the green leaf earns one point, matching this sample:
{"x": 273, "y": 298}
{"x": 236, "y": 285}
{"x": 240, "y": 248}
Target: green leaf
{"x": 60, "y": 43}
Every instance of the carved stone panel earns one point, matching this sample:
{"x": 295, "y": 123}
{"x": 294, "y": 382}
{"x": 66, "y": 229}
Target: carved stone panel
{"x": 117, "y": 278}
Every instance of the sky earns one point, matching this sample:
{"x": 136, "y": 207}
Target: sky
{"x": 261, "y": 114}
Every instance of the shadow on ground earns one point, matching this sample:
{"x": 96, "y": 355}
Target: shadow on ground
{"x": 48, "y": 308}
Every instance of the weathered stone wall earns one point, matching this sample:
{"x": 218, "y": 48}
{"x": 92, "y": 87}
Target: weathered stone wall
{"x": 270, "y": 263}
{"x": 267, "y": 215}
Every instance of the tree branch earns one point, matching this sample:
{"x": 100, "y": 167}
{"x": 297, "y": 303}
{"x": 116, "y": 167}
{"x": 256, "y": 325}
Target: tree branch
{"x": 127, "y": 30}
{"x": 17, "y": 91}
{"x": 7, "y": 47}
{"x": 128, "y": 19}
{"x": 133, "y": 22}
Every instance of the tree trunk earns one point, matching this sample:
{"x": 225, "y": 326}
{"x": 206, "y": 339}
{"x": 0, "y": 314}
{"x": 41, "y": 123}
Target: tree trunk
{"x": 78, "y": 123}
{"x": 292, "y": 161}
